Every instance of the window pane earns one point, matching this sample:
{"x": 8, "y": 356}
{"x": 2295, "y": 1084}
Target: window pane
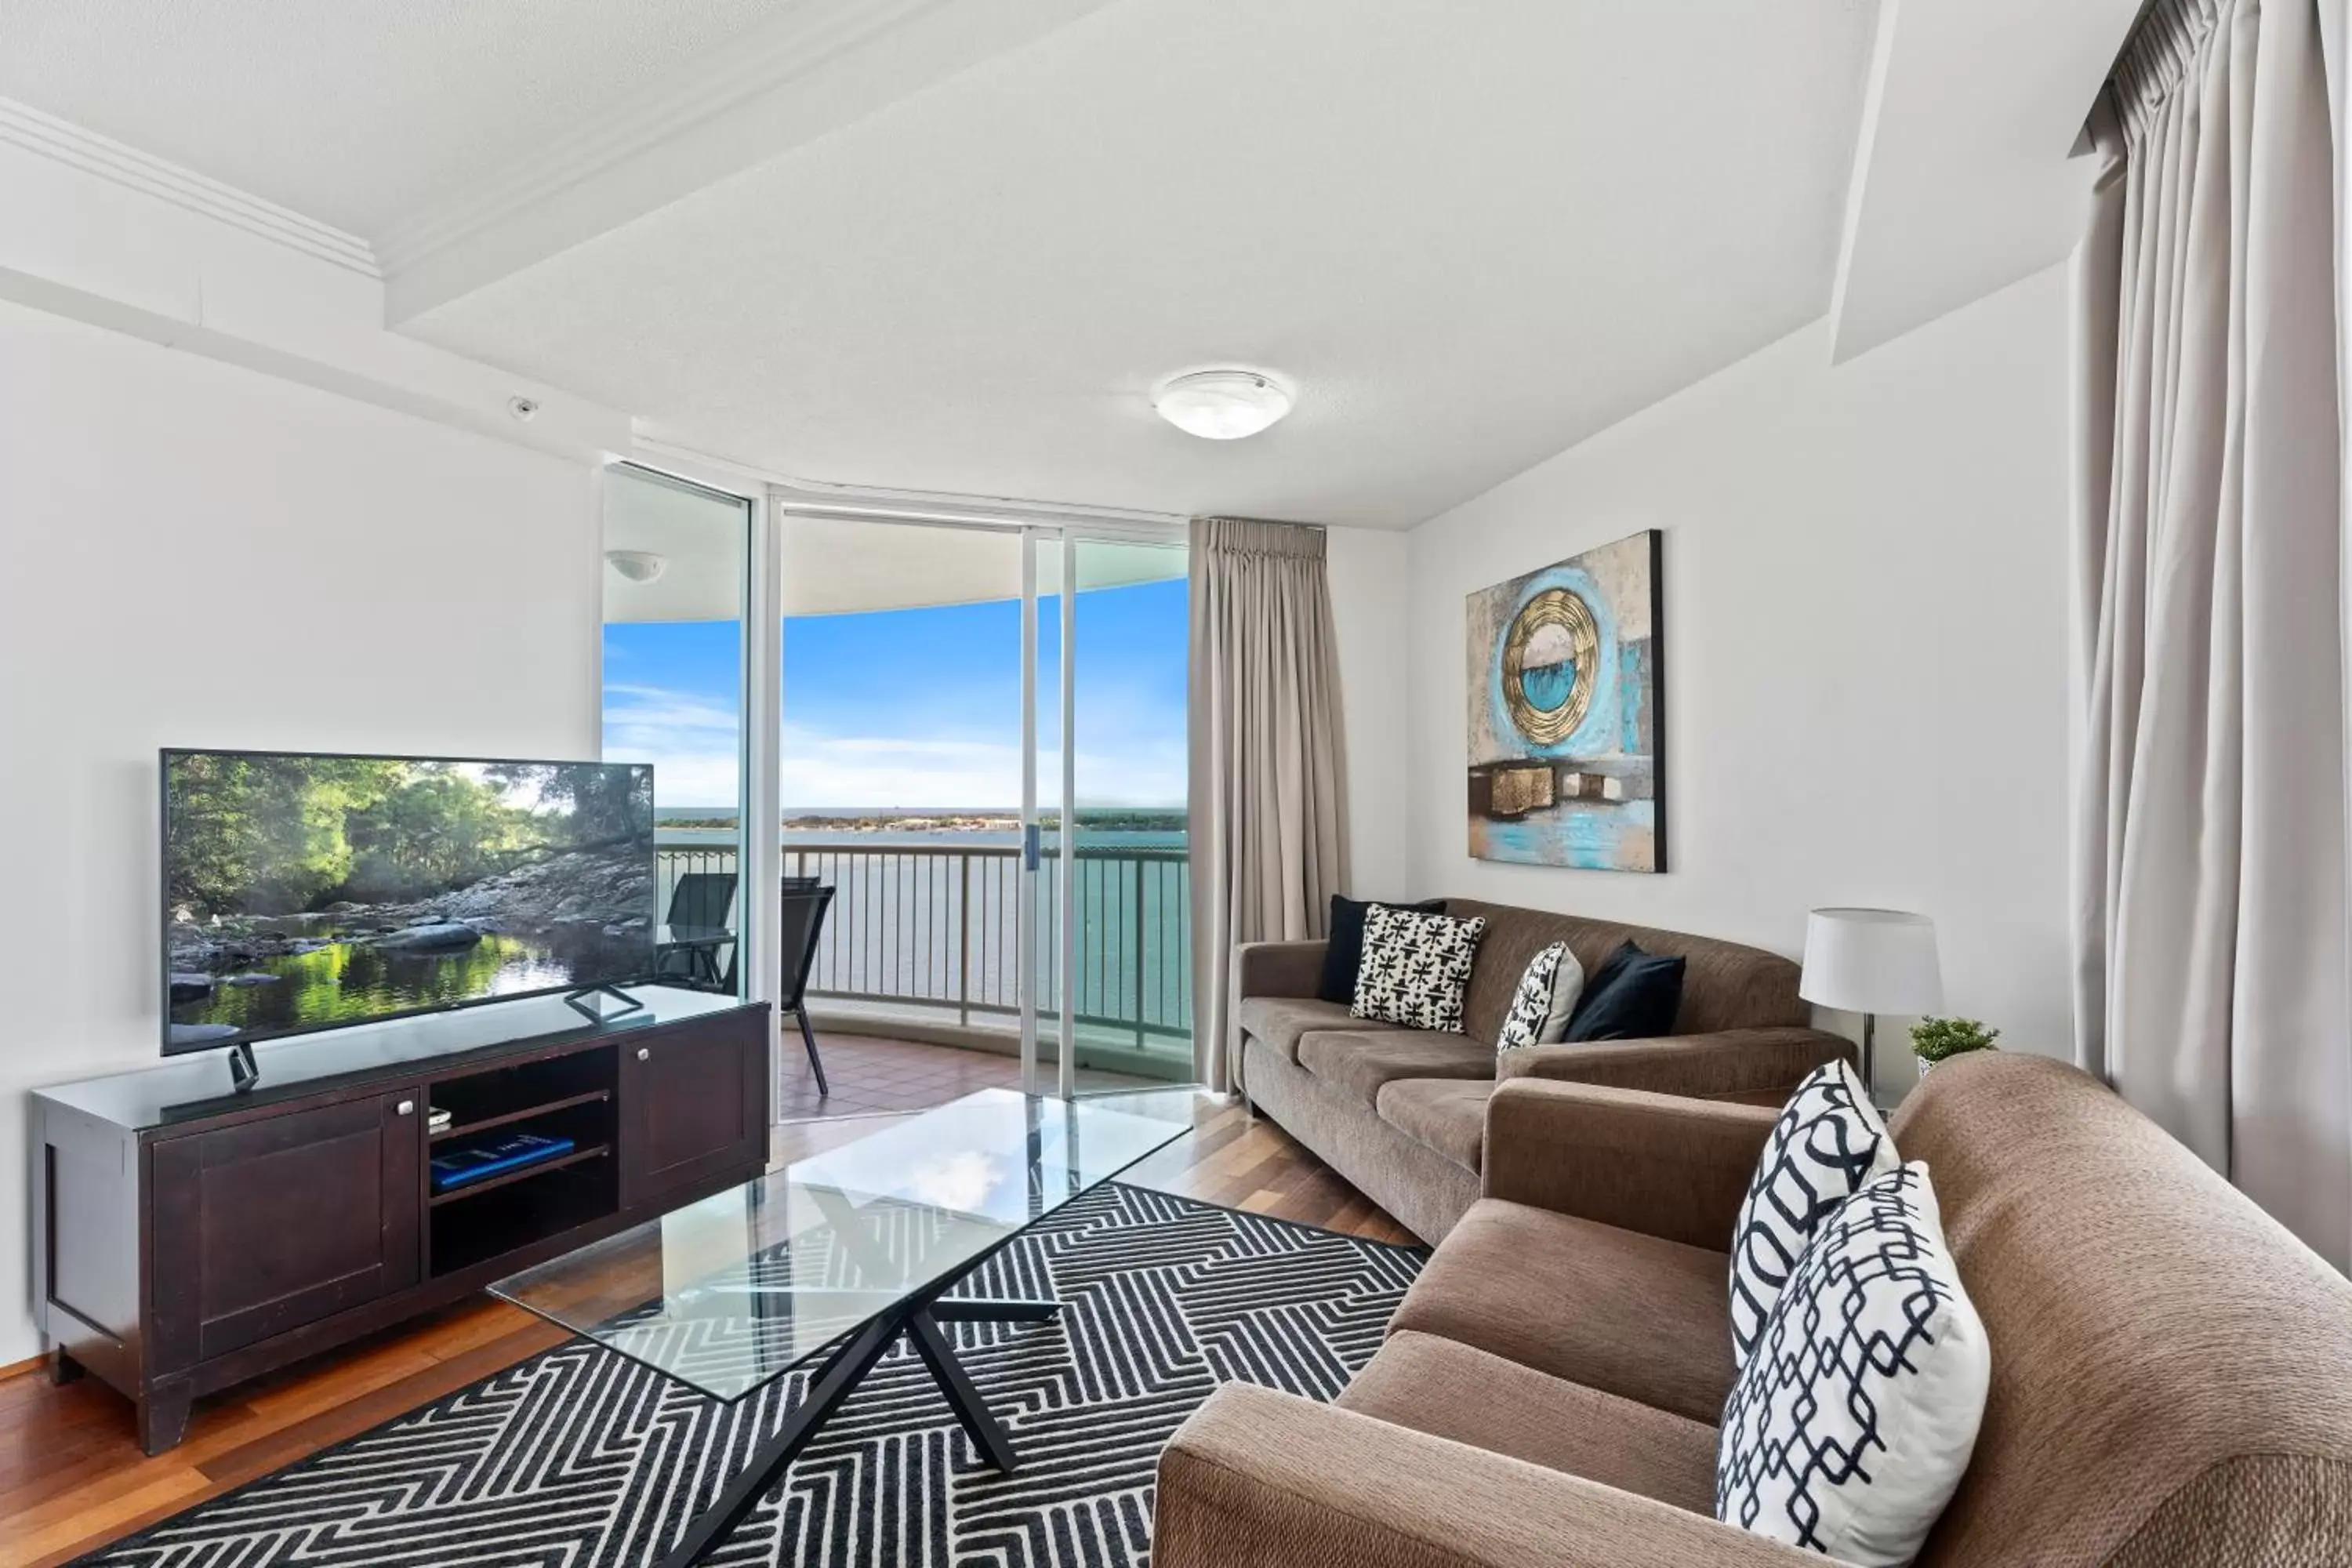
{"x": 675, "y": 558}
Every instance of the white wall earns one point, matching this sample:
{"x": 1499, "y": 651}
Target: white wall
{"x": 1866, "y": 646}
{"x": 1367, "y": 613}
{"x": 193, "y": 553}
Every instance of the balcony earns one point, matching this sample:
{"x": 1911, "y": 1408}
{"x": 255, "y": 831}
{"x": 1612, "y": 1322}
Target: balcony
{"x": 921, "y": 941}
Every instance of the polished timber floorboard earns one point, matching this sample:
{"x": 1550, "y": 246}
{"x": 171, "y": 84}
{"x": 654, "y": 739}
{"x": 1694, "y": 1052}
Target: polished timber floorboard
{"x": 72, "y": 1477}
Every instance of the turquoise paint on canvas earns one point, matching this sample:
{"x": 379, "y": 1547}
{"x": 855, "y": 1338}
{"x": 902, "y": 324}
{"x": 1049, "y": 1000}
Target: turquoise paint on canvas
{"x": 1600, "y": 720}
{"x": 1601, "y": 776}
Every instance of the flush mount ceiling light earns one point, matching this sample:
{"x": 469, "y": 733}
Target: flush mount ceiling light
{"x": 1222, "y": 404}
{"x": 637, "y": 566}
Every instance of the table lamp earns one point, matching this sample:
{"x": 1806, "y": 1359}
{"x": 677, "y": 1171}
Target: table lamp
{"x": 1870, "y": 962}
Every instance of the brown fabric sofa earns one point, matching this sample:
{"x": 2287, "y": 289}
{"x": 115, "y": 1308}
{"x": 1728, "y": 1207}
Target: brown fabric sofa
{"x": 1401, "y": 1112}
{"x": 2171, "y": 1371}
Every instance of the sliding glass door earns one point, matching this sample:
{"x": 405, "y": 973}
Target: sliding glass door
{"x": 1111, "y": 879}
{"x": 930, "y": 671}
{"x": 674, "y": 579}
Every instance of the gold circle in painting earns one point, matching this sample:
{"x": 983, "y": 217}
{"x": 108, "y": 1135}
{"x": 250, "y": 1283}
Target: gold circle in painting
{"x": 1552, "y": 630}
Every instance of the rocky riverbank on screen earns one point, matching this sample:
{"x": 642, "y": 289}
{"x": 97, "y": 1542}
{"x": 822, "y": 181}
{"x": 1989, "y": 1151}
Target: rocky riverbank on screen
{"x": 611, "y": 889}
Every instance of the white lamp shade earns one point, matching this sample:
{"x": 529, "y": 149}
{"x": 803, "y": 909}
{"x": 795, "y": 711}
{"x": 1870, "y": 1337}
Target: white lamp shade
{"x": 1872, "y": 961}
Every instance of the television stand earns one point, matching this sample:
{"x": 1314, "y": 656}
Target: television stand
{"x": 243, "y": 1072}
{"x": 187, "y": 1238}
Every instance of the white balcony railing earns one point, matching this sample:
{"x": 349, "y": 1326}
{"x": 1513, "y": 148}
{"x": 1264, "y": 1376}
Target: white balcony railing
{"x": 932, "y": 928}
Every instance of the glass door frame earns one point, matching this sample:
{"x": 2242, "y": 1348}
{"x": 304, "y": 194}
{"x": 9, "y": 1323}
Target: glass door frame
{"x": 1040, "y": 529}
{"x": 759, "y": 844}
{"x": 1066, "y": 539}
{"x": 1035, "y": 539}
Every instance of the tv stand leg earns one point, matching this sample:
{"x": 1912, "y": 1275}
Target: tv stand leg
{"x": 63, "y": 1368}
{"x": 585, "y": 1003}
{"x": 163, "y": 1416}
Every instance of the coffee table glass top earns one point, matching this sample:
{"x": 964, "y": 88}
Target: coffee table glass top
{"x": 733, "y": 1291}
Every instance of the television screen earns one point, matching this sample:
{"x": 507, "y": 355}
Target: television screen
{"x": 302, "y": 891}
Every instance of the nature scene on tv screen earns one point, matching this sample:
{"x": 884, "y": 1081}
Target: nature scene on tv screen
{"x": 305, "y": 891}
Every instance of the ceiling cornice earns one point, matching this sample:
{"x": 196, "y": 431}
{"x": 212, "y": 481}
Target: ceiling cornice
{"x": 61, "y": 140}
{"x": 803, "y": 40}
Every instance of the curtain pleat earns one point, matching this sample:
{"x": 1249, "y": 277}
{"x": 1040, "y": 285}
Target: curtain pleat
{"x": 2214, "y": 977}
{"x": 1269, "y": 804}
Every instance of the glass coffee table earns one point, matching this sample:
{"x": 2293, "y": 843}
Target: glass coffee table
{"x": 827, "y": 1262}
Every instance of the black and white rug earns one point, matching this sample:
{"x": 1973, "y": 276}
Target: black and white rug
{"x": 584, "y": 1459}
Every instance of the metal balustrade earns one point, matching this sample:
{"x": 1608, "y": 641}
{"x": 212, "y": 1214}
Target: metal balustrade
{"x": 933, "y": 927}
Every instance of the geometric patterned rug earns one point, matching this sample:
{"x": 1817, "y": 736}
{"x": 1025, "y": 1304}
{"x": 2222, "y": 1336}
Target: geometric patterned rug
{"x": 583, "y": 1458}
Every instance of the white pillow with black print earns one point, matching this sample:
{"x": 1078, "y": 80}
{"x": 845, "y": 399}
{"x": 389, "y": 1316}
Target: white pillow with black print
{"x": 1547, "y": 995}
{"x": 1851, "y": 1426}
{"x": 1829, "y": 1141}
{"x": 1416, "y": 966}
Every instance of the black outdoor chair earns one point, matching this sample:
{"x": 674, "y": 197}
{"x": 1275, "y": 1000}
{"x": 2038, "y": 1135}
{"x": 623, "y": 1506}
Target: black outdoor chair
{"x": 700, "y": 899}
{"x": 802, "y": 924}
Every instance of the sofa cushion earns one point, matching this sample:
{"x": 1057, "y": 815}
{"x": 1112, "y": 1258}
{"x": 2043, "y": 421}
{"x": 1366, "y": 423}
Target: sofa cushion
{"x": 1416, "y": 967}
{"x": 1448, "y": 1389}
{"x": 1343, "y": 953}
{"x": 1635, "y": 996}
{"x": 1280, "y": 1020}
{"x": 1827, "y": 1145}
{"x": 1358, "y": 1061}
{"x": 1855, "y": 1415}
{"x": 1544, "y": 1001}
{"x": 1448, "y": 1114}
{"x": 1726, "y": 984}
{"x": 1626, "y": 1313}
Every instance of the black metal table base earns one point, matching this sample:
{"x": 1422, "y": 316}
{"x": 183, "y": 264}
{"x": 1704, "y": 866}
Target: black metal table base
{"x": 919, "y": 1320}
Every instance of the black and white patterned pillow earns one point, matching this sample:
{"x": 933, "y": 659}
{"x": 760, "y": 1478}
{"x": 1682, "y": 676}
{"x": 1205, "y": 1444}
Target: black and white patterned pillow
{"x": 1416, "y": 966}
{"x": 1852, "y": 1423}
{"x": 1828, "y": 1142}
{"x": 1546, "y": 998}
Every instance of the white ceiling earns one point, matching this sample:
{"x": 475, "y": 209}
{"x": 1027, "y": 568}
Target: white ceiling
{"x": 1469, "y": 235}
{"x": 951, "y": 245}
{"x": 1963, "y": 184}
{"x": 356, "y": 113}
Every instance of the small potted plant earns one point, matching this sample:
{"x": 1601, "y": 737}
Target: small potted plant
{"x": 1936, "y": 1039}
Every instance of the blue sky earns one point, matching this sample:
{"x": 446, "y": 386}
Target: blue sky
{"x": 912, "y": 707}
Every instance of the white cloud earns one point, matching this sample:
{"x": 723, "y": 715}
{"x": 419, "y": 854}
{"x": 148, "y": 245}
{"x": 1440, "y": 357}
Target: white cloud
{"x": 692, "y": 743}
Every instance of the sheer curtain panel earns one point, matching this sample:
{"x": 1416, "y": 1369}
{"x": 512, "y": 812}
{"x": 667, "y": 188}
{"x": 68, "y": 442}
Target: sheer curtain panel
{"x": 2210, "y": 945}
{"x": 1270, "y": 823}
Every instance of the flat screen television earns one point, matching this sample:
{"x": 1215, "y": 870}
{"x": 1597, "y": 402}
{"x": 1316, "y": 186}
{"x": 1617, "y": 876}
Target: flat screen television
{"x": 306, "y": 891}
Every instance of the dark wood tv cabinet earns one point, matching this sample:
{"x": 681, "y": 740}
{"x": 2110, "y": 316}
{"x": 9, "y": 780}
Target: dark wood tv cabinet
{"x": 188, "y": 1237}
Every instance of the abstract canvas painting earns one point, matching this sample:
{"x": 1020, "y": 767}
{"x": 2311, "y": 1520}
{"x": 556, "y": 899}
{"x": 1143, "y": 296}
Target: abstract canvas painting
{"x": 1566, "y": 730}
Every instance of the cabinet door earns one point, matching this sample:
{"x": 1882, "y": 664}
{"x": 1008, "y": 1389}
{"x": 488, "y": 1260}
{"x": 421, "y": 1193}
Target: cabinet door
{"x": 267, "y": 1225}
{"x": 693, "y": 1106}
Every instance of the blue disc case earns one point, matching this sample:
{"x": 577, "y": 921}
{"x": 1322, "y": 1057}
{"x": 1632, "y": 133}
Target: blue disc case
{"x": 498, "y": 1156}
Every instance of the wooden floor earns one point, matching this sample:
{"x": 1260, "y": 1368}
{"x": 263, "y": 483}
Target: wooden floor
{"x": 873, "y": 1074}
{"x": 72, "y": 1477}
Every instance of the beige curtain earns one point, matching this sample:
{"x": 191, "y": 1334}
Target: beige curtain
{"x": 1268, "y": 802}
{"x": 2211, "y": 954}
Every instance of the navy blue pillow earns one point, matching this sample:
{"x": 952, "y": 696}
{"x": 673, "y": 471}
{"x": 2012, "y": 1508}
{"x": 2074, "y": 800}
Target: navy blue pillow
{"x": 1634, "y": 996}
{"x": 1345, "y": 955}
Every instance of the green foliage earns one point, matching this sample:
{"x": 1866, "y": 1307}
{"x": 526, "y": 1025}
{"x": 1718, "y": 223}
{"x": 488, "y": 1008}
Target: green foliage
{"x": 440, "y": 830}
{"x": 1936, "y": 1039}
{"x": 273, "y": 835}
{"x": 604, "y": 806}
{"x": 265, "y": 834}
